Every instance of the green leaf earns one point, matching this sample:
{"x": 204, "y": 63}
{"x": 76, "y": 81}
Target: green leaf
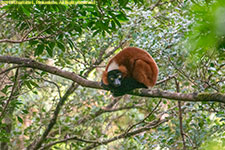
{"x": 61, "y": 46}
{"x": 28, "y": 85}
{"x": 123, "y": 3}
{"x": 6, "y": 89}
{"x": 39, "y": 50}
{"x": 25, "y": 111}
{"x": 71, "y": 43}
{"x": 23, "y": 26}
{"x": 20, "y": 119}
{"x": 60, "y": 36}
{"x": 51, "y": 44}
{"x": 6, "y": 7}
{"x": 96, "y": 32}
{"x": 50, "y": 51}
{"x": 113, "y": 25}
{"x": 43, "y": 73}
{"x": 35, "y": 92}
{"x": 26, "y": 11}
{"x": 90, "y": 24}
{"x": 33, "y": 42}
{"x": 78, "y": 28}
{"x": 122, "y": 17}
{"x": 34, "y": 84}
{"x": 117, "y": 22}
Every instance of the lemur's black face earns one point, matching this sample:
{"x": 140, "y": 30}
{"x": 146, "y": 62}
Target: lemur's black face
{"x": 115, "y": 78}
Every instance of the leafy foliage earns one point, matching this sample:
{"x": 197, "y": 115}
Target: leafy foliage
{"x": 185, "y": 38}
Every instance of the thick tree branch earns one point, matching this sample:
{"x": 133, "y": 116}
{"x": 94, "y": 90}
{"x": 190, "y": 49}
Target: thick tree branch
{"x": 194, "y": 97}
{"x": 50, "y": 69}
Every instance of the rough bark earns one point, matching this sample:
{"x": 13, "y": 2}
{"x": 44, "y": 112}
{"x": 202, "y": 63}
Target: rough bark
{"x": 194, "y": 97}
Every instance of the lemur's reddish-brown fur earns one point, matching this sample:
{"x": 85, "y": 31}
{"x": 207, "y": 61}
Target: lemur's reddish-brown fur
{"x": 136, "y": 63}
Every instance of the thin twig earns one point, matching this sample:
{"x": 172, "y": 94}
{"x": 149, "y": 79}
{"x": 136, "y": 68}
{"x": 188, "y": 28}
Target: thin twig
{"x": 114, "y": 49}
{"x": 166, "y": 79}
{"x": 122, "y": 108}
{"x": 180, "y": 115}
{"x": 182, "y": 73}
{"x": 155, "y": 5}
{"x": 99, "y": 112}
{"x": 2, "y": 15}
{"x": 25, "y": 40}
{"x": 149, "y": 126}
{"x": 104, "y": 57}
{"x": 57, "y": 86}
{"x": 68, "y": 139}
{"x": 26, "y": 34}
{"x": 11, "y": 68}
{"x": 144, "y": 118}
{"x": 188, "y": 137}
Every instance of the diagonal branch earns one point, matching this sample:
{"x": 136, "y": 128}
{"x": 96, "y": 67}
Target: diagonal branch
{"x": 25, "y": 40}
{"x": 13, "y": 92}
{"x": 68, "y": 139}
{"x": 26, "y": 62}
{"x": 11, "y": 68}
{"x": 153, "y": 110}
{"x": 53, "y": 120}
{"x": 149, "y": 126}
{"x": 95, "y": 143}
{"x": 105, "y": 110}
{"x": 99, "y": 112}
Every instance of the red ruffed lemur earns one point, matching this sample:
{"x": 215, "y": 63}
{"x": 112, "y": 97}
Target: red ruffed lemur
{"x": 130, "y": 69}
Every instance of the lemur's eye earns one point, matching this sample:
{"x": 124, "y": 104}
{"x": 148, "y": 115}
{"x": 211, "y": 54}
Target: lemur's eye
{"x": 120, "y": 76}
{"x": 111, "y": 78}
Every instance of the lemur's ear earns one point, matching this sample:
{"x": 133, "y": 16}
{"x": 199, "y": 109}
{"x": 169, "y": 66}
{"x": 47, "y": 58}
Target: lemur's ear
{"x": 104, "y": 78}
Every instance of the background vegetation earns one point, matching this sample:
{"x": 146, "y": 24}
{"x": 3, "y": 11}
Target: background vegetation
{"x": 50, "y": 56}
